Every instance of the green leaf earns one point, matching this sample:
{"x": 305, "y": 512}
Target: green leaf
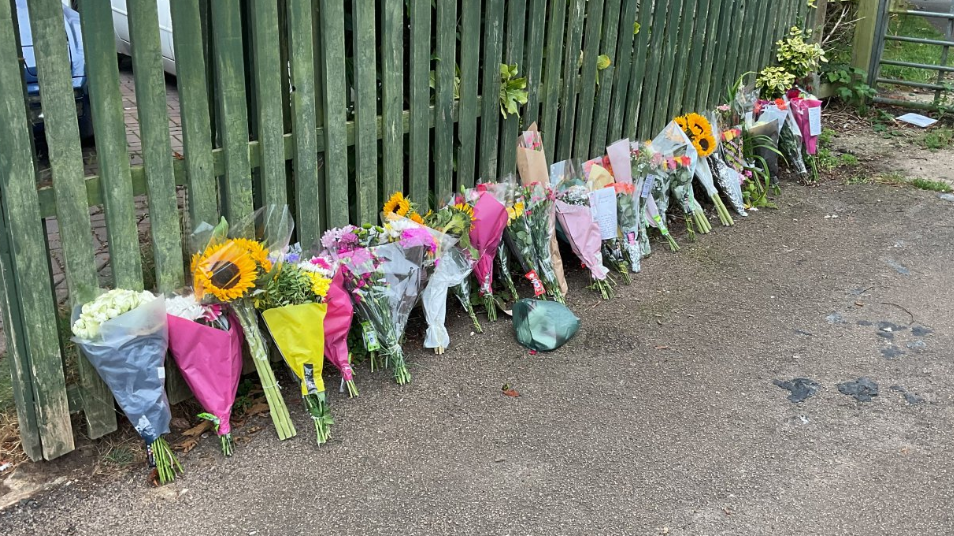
{"x": 636, "y": 28}
{"x": 603, "y": 61}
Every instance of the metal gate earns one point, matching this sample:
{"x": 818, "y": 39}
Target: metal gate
{"x": 941, "y": 85}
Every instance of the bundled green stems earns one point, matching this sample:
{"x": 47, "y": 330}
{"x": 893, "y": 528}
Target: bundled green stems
{"x": 724, "y": 217}
{"x": 165, "y": 462}
{"x": 490, "y": 304}
{"x": 462, "y": 291}
{"x": 603, "y": 286}
{"x": 321, "y": 415}
{"x": 224, "y": 439}
{"x": 401, "y": 375}
{"x": 256, "y": 345}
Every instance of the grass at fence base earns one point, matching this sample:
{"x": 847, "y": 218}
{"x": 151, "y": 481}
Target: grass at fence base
{"x": 912, "y": 26}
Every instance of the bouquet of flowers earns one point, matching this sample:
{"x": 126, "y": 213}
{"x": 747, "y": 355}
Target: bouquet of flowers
{"x": 680, "y": 162}
{"x": 604, "y": 210}
{"x": 576, "y": 219}
{"x": 655, "y": 219}
{"x": 456, "y": 220}
{"x": 519, "y": 240}
{"x": 490, "y": 220}
{"x": 726, "y": 177}
{"x": 207, "y": 346}
{"x": 627, "y": 212}
{"x": 540, "y": 214}
{"x": 703, "y": 133}
{"x": 644, "y": 166}
{"x": 505, "y": 191}
{"x": 807, "y": 112}
{"x": 384, "y": 282}
{"x": 293, "y": 306}
{"x": 228, "y": 269}
{"x": 124, "y": 334}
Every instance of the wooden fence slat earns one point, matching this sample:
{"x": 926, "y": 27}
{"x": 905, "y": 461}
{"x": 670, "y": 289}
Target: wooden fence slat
{"x": 490, "y": 88}
{"x": 653, "y": 61}
{"x": 773, "y": 33}
{"x": 445, "y": 74}
{"x": 533, "y": 59}
{"x": 156, "y": 146}
{"x": 552, "y": 77}
{"x": 335, "y": 134}
{"x": 66, "y": 164}
{"x": 623, "y": 61}
{"x": 734, "y": 66}
{"x": 513, "y": 53}
{"x": 598, "y": 138}
{"x": 587, "y": 97}
{"x": 632, "y": 111}
{"x": 232, "y": 113}
{"x": 677, "y": 89}
{"x": 571, "y": 76}
{"x": 28, "y": 308}
{"x": 194, "y": 111}
{"x": 366, "y": 111}
{"x": 318, "y": 55}
{"x": 661, "y": 116}
{"x": 304, "y": 120}
{"x": 267, "y": 77}
{"x": 109, "y": 123}
{"x": 150, "y": 82}
{"x": 713, "y": 51}
{"x": 469, "y": 69}
{"x": 392, "y": 95}
{"x": 758, "y": 45}
{"x": 698, "y": 67}
{"x": 420, "y": 96}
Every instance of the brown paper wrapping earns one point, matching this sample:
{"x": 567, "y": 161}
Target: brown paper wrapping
{"x": 533, "y": 167}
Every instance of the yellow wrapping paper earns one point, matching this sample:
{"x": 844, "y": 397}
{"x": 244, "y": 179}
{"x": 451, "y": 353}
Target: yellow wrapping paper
{"x": 299, "y": 334}
{"x": 600, "y": 177}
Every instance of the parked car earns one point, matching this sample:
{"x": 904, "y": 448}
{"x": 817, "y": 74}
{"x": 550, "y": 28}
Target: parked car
{"x": 121, "y": 26}
{"x": 74, "y": 36}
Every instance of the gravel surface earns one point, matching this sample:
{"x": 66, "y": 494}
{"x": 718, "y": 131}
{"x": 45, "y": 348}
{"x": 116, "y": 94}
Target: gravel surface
{"x": 660, "y": 417}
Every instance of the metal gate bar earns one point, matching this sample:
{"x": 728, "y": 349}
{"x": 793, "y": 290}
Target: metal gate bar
{"x": 877, "y": 61}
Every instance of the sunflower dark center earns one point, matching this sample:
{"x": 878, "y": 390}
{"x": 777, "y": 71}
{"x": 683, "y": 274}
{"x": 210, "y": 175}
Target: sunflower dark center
{"x": 225, "y": 274}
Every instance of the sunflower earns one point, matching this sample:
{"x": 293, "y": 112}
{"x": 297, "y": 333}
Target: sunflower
{"x": 397, "y": 204}
{"x": 705, "y": 145}
{"x": 466, "y": 209}
{"x": 416, "y": 218}
{"x": 225, "y": 271}
{"x": 681, "y": 121}
{"x": 256, "y": 251}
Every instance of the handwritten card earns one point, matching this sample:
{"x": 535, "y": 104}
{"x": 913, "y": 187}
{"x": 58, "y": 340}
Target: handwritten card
{"x": 603, "y": 209}
{"x": 814, "y": 121}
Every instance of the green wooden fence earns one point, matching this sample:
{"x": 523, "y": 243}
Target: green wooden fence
{"x": 325, "y": 105}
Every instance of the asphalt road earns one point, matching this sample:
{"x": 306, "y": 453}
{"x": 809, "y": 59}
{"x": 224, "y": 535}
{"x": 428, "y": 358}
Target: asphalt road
{"x": 935, "y": 6}
{"x": 660, "y": 417}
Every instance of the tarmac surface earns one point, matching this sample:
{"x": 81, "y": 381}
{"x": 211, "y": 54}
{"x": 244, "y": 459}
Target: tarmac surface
{"x": 660, "y": 417}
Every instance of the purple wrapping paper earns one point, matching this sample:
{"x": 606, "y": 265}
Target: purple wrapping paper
{"x": 337, "y": 324}
{"x": 211, "y": 363}
{"x": 584, "y": 236}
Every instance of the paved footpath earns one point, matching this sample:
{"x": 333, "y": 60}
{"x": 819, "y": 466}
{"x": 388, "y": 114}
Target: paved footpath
{"x": 660, "y": 417}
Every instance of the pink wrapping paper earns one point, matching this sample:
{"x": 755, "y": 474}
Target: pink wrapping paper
{"x": 211, "y": 364}
{"x": 584, "y": 236}
{"x": 800, "y": 111}
{"x": 619, "y": 156}
{"x": 490, "y": 220}
{"x": 337, "y": 324}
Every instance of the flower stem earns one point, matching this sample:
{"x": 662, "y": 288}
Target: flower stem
{"x": 321, "y": 416}
{"x": 256, "y": 345}
{"x": 165, "y": 460}
{"x": 352, "y": 389}
{"x": 491, "y": 307}
{"x": 226, "y": 441}
{"x": 401, "y": 375}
